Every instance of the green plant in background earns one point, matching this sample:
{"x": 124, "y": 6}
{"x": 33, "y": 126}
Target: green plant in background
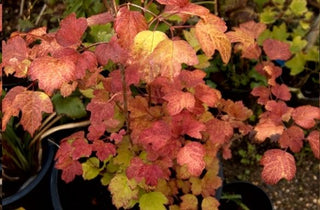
{"x": 294, "y": 23}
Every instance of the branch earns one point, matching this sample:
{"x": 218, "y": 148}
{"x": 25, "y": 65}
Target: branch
{"x": 313, "y": 34}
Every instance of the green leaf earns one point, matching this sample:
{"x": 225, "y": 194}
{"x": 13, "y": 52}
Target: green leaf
{"x": 296, "y": 64}
{"x": 203, "y": 62}
{"x": 297, "y": 44}
{"x": 280, "y": 32}
{"x": 124, "y": 154}
{"x": 313, "y": 54}
{"x": 268, "y": 15}
{"x": 191, "y": 38}
{"x": 153, "y": 201}
{"x": 100, "y": 33}
{"x": 71, "y": 106}
{"x": 298, "y": 7}
{"x": 91, "y": 168}
{"x": 124, "y": 191}
{"x": 106, "y": 178}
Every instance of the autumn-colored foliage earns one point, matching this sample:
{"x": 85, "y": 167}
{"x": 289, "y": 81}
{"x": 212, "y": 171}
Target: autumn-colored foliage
{"x": 155, "y": 125}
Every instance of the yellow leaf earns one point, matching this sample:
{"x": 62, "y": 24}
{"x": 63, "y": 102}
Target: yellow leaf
{"x": 146, "y": 41}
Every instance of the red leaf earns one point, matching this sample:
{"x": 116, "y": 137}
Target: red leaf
{"x": 189, "y": 9}
{"x": 104, "y": 149}
{"x": 207, "y": 95}
{"x": 314, "y": 141}
{"x": 281, "y": 92}
{"x": 52, "y": 73}
{"x": 156, "y": 136}
{"x": 100, "y": 19}
{"x": 305, "y": 116}
{"x": 191, "y": 78}
{"x": 210, "y": 34}
{"x": 70, "y": 169}
{"x": 127, "y": 25}
{"x": 180, "y": 3}
{"x": 292, "y": 138}
{"x": 178, "y": 100}
{"x": 86, "y": 61}
{"x": 117, "y": 137}
{"x": 139, "y": 170}
{"x": 14, "y": 53}
{"x": 111, "y": 51}
{"x": 71, "y": 30}
{"x": 253, "y": 28}
{"x": 192, "y": 155}
{"x": 220, "y": 131}
{"x": 185, "y": 123}
{"x": 278, "y": 111}
{"x": 277, "y": 164}
{"x": 80, "y": 145}
{"x": 267, "y": 128}
{"x": 30, "y": 103}
{"x": 102, "y": 114}
{"x": 276, "y": 50}
{"x": 263, "y": 93}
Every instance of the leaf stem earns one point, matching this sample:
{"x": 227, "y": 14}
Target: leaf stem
{"x": 125, "y": 97}
{"x": 64, "y": 127}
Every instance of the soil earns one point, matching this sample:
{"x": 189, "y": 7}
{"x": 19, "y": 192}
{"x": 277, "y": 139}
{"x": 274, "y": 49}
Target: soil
{"x": 303, "y": 192}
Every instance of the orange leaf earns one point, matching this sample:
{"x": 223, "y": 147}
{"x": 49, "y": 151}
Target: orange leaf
{"x": 266, "y": 128}
{"x": 220, "y": 131}
{"x": 191, "y": 78}
{"x": 235, "y": 110}
{"x": 168, "y": 56}
{"x": 127, "y": 25}
{"x": 192, "y": 155}
{"x": 207, "y": 95}
{"x": 305, "y": 116}
{"x": 277, "y": 164}
{"x": 276, "y": 50}
{"x": 178, "y": 100}
{"x": 278, "y": 111}
{"x": 263, "y": 93}
{"x": 281, "y": 92}
{"x": 314, "y": 141}
{"x": 52, "y": 73}
{"x": 14, "y": 57}
{"x": 211, "y": 36}
{"x": 30, "y": 103}
{"x": 292, "y": 138}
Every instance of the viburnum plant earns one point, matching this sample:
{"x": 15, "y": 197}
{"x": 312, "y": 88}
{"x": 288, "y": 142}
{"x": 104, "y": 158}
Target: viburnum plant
{"x": 155, "y": 126}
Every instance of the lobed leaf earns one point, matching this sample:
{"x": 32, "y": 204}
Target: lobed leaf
{"x": 276, "y": 50}
{"x": 210, "y": 34}
{"x": 179, "y": 100}
{"x": 314, "y": 141}
{"x": 153, "y": 201}
{"x": 277, "y": 164}
{"x": 32, "y": 104}
{"x": 71, "y": 30}
{"x": 306, "y": 115}
{"x": 210, "y": 203}
{"x": 127, "y": 25}
{"x": 52, "y": 73}
{"x": 192, "y": 155}
{"x": 124, "y": 191}
{"x": 292, "y": 138}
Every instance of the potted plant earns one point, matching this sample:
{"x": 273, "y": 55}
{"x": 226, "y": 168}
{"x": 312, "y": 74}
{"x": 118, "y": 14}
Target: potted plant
{"x": 155, "y": 126}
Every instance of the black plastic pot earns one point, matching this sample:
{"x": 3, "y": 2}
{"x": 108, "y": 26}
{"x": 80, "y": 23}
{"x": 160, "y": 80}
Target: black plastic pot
{"x": 35, "y": 192}
{"x": 251, "y": 195}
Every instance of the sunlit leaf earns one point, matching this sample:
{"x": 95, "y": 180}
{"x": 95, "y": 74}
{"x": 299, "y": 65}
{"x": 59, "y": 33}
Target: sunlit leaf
{"x": 211, "y": 36}
{"x": 306, "y": 115}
